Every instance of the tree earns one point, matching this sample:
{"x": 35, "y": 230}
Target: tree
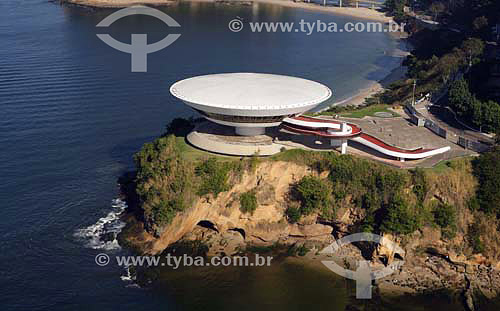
{"x": 476, "y": 111}
{"x": 436, "y": 8}
{"x": 487, "y": 171}
{"x": 161, "y": 180}
{"x": 395, "y": 7}
{"x": 497, "y": 136}
{"x": 459, "y": 96}
{"x": 179, "y": 127}
{"x": 479, "y": 23}
{"x": 444, "y": 215}
{"x": 472, "y": 47}
{"x": 293, "y": 214}
{"x": 491, "y": 115}
{"x": 399, "y": 219}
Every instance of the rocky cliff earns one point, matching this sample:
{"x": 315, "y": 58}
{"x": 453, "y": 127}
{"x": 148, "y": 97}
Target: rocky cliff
{"x": 271, "y": 181}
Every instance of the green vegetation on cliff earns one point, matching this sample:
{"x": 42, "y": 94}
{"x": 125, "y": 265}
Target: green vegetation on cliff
{"x": 248, "y": 202}
{"x": 379, "y": 190}
{"x": 487, "y": 171}
{"x": 313, "y": 193}
{"x": 393, "y": 200}
{"x": 445, "y": 216}
{"x": 398, "y": 217}
{"x": 162, "y": 179}
{"x": 213, "y": 177}
{"x": 168, "y": 182}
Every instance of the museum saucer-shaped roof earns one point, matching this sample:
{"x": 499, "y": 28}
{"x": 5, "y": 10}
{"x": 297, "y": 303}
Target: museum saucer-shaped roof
{"x": 250, "y": 94}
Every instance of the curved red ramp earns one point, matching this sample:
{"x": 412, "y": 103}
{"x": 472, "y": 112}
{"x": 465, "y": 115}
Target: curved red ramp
{"x": 321, "y": 127}
{"x": 382, "y": 147}
{"x": 341, "y": 130}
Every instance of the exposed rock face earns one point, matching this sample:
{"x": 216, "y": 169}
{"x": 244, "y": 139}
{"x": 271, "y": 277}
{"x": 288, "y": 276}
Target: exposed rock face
{"x": 430, "y": 263}
{"x": 271, "y": 182}
{"x": 388, "y": 251}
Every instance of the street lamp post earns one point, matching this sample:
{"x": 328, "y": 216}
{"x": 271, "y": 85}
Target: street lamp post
{"x": 414, "y": 86}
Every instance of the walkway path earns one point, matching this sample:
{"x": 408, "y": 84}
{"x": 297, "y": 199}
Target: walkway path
{"x": 342, "y": 130}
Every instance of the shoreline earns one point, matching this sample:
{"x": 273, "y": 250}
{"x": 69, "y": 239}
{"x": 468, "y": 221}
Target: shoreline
{"x": 361, "y": 13}
{"x": 405, "y": 282}
{"x": 358, "y": 97}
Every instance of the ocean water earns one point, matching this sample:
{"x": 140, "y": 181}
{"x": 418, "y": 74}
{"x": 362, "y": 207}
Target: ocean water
{"x": 72, "y": 115}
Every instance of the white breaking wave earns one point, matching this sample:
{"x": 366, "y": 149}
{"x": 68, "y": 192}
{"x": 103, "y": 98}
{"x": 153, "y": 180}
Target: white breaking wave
{"x": 102, "y": 234}
{"x": 129, "y": 278}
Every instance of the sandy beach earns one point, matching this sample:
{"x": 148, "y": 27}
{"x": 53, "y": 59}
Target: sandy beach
{"x": 362, "y": 13}
{"x": 118, "y": 3}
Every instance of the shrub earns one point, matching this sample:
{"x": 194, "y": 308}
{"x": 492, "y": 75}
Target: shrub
{"x": 444, "y": 215}
{"x": 214, "y": 177}
{"x": 487, "y": 171}
{"x": 370, "y": 185}
{"x": 179, "y": 127}
{"x": 165, "y": 211}
{"x": 368, "y": 224}
{"x": 474, "y": 238}
{"x": 420, "y": 187}
{"x": 293, "y": 214}
{"x": 254, "y": 162}
{"x": 248, "y": 202}
{"x": 313, "y": 193}
{"x": 473, "y": 203}
{"x": 398, "y": 218}
{"x": 300, "y": 250}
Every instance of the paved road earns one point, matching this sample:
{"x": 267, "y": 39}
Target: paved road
{"x": 445, "y": 119}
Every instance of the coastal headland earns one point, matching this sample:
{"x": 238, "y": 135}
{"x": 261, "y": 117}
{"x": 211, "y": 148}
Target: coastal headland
{"x": 297, "y": 201}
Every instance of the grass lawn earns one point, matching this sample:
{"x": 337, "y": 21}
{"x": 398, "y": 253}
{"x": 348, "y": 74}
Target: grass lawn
{"x": 194, "y": 154}
{"x": 362, "y": 112}
{"x": 457, "y": 163}
{"x": 441, "y": 167}
{"x": 368, "y": 111}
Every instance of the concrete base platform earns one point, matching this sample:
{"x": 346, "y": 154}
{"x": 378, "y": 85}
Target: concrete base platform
{"x": 222, "y": 139}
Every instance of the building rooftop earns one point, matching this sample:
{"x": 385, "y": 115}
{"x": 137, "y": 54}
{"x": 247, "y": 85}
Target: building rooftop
{"x": 250, "y": 91}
